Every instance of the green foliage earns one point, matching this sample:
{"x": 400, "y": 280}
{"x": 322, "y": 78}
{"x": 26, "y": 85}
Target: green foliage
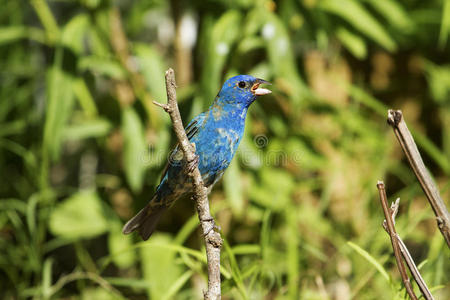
{"x": 78, "y": 217}
{"x": 134, "y": 144}
{"x": 82, "y": 147}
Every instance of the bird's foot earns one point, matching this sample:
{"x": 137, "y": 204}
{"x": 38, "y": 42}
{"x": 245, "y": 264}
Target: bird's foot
{"x": 191, "y": 165}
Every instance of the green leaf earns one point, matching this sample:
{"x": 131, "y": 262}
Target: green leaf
{"x": 292, "y": 255}
{"x": 235, "y": 271}
{"x": 47, "y": 19}
{"x": 120, "y": 247}
{"x": 128, "y": 282}
{"x": 74, "y": 32}
{"x": 134, "y": 149}
{"x": 85, "y": 98}
{"x": 274, "y": 190}
{"x": 220, "y": 38}
{"x": 87, "y": 129}
{"x": 15, "y": 33}
{"x": 79, "y": 216}
{"x": 281, "y": 57}
{"x": 177, "y": 285}
{"x": 99, "y": 293}
{"x": 394, "y": 13}
{"x": 233, "y": 189}
{"x": 445, "y": 24}
{"x": 152, "y": 66}
{"x": 354, "y": 43}
{"x": 59, "y": 108}
{"x": 102, "y": 66}
{"x": 355, "y": 14}
{"x": 159, "y": 267}
{"x": 47, "y": 278}
{"x": 370, "y": 259}
{"x": 438, "y": 77}
{"x": 246, "y": 249}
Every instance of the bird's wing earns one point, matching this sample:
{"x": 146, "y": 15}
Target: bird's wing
{"x": 191, "y": 131}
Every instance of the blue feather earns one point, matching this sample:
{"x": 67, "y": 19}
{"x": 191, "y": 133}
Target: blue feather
{"x": 216, "y": 134}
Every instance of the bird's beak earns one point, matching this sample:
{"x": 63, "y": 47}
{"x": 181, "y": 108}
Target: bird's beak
{"x": 257, "y": 91}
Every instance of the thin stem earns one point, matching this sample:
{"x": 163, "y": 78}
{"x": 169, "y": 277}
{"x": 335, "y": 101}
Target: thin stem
{"x": 212, "y": 238}
{"x": 395, "y": 119}
{"x": 394, "y": 241}
{"x": 407, "y": 257}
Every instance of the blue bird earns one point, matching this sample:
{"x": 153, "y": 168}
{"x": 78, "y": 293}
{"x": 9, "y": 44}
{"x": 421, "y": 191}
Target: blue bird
{"x": 216, "y": 134}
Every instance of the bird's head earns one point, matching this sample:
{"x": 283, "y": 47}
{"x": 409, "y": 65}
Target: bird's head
{"x": 242, "y": 90}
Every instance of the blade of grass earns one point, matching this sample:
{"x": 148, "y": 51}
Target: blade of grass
{"x": 370, "y": 259}
{"x": 47, "y": 19}
{"x": 177, "y": 285}
{"x": 235, "y": 271}
{"x": 445, "y": 24}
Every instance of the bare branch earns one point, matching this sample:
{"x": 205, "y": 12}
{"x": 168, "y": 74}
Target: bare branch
{"x": 414, "y": 271}
{"x": 394, "y": 240}
{"x": 406, "y": 256}
{"x": 213, "y": 240}
{"x": 395, "y": 119}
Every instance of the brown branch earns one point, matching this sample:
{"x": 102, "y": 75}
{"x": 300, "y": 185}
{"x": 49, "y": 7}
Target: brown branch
{"x": 395, "y": 119}
{"x": 407, "y": 257}
{"x": 394, "y": 241}
{"x": 213, "y": 240}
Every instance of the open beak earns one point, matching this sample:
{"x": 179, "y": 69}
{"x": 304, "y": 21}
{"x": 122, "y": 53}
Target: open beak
{"x": 257, "y": 91}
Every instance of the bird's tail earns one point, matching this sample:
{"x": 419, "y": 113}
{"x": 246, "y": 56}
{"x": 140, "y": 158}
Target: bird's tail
{"x": 145, "y": 220}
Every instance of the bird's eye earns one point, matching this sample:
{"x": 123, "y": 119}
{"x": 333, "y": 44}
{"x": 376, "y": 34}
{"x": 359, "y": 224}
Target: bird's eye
{"x": 241, "y": 84}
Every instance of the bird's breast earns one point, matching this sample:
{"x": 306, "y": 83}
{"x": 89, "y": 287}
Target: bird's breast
{"x": 229, "y": 138}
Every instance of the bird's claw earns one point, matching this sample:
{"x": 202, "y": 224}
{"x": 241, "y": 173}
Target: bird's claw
{"x": 191, "y": 165}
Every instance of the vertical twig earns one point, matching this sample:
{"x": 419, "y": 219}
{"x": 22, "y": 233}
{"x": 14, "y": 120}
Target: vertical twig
{"x": 406, "y": 256}
{"x": 395, "y": 119}
{"x": 394, "y": 241}
{"x": 213, "y": 240}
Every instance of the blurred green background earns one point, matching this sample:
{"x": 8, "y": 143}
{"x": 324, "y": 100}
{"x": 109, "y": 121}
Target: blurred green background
{"x": 82, "y": 147}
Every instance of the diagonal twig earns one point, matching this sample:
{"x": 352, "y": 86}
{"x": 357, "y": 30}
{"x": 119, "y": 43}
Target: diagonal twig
{"x": 406, "y": 256}
{"x": 394, "y": 241}
{"x": 395, "y": 119}
{"x": 212, "y": 238}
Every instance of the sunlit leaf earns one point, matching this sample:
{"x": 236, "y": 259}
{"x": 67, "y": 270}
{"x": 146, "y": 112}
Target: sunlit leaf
{"x": 233, "y": 189}
{"x": 281, "y": 57}
{"x": 355, "y": 13}
{"x": 159, "y": 267}
{"x": 219, "y": 42}
{"x": 274, "y": 189}
{"x": 438, "y": 77}
{"x": 60, "y": 104}
{"x": 84, "y": 97}
{"x": 370, "y": 259}
{"x": 87, "y": 129}
{"x": 79, "y": 216}
{"x": 394, "y": 13}
{"x": 15, "y": 33}
{"x": 134, "y": 148}
{"x": 445, "y": 24}
{"x": 101, "y": 66}
{"x": 98, "y": 293}
{"x": 354, "y": 43}
{"x": 152, "y": 66}
{"x": 74, "y": 31}
{"x": 120, "y": 246}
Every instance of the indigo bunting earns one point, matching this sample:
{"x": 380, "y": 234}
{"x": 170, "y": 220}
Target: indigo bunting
{"x": 216, "y": 134}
